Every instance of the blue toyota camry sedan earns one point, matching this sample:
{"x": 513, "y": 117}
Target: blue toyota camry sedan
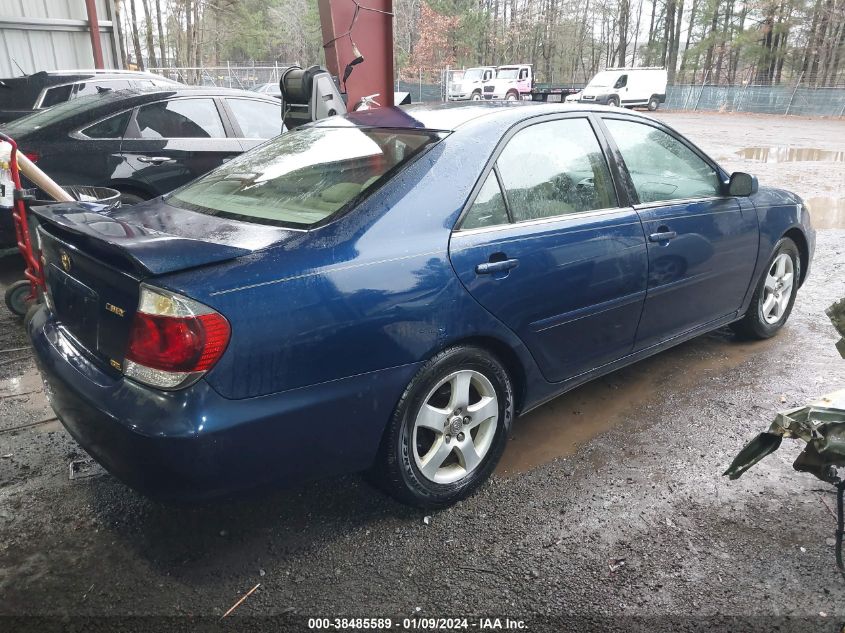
{"x": 387, "y": 291}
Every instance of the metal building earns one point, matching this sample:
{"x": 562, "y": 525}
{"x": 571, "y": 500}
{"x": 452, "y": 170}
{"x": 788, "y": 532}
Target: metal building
{"x": 54, "y": 35}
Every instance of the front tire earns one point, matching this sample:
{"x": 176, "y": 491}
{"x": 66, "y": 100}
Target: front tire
{"x": 512, "y": 96}
{"x": 448, "y": 430}
{"x": 775, "y": 294}
{"x": 476, "y": 96}
{"x": 613, "y": 102}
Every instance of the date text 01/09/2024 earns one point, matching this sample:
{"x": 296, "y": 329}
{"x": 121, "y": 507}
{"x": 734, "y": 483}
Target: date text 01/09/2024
{"x": 416, "y": 624}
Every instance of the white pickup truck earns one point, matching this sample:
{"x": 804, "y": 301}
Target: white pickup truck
{"x": 466, "y": 84}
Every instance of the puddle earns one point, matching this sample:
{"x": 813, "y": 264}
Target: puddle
{"x": 781, "y": 154}
{"x": 827, "y": 212}
{"x": 557, "y": 428}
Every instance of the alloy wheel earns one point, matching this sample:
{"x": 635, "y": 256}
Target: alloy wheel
{"x": 455, "y": 426}
{"x": 777, "y": 290}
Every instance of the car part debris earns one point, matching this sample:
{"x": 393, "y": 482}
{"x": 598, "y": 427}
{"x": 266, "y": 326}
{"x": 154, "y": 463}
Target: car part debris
{"x": 83, "y": 469}
{"x": 836, "y": 313}
{"x": 240, "y": 602}
{"x": 821, "y": 424}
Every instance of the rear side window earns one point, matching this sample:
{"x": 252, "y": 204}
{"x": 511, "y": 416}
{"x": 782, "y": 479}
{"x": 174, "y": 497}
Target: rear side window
{"x": 59, "y": 94}
{"x": 661, "y": 167}
{"x": 258, "y": 119}
{"x": 489, "y": 207}
{"x": 555, "y": 168}
{"x": 113, "y": 127}
{"x": 303, "y": 177}
{"x": 180, "y": 118}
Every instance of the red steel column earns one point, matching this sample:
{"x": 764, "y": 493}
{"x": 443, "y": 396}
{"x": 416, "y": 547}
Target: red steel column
{"x": 94, "y": 24}
{"x": 373, "y": 35}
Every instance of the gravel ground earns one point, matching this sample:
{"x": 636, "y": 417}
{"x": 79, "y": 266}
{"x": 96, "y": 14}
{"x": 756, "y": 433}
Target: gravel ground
{"x": 608, "y": 512}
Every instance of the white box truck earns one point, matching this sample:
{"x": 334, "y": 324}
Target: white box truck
{"x": 627, "y": 87}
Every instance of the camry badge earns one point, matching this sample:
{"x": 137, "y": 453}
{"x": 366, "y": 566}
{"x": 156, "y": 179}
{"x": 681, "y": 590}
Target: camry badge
{"x": 64, "y": 258}
{"x": 115, "y": 310}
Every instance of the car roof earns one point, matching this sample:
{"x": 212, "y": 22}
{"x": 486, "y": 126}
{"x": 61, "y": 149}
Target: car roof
{"x": 452, "y": 116}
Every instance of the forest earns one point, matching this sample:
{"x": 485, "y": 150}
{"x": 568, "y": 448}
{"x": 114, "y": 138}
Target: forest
{"x": 753, "y": 42}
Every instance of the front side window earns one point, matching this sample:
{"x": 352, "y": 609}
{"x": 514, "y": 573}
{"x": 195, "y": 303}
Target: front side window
{"x": 489, "y": 206}
{"x": 661, "y": 167}
{"x": 555, "y": 168}
{"x": 113, "y": 127}
{"x": 180, "y": 118}
{"x": 258, "y": 119}
{"x": 302, "y": 177}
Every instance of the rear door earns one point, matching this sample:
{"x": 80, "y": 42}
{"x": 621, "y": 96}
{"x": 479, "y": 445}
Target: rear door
{"x": 702, "y": 246}
{"x": 549, "y": 250}
{"x": 169, "y": 143}
{"x": 95, "y": 148}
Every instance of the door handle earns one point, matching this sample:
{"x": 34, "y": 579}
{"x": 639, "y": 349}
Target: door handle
{"x": 662, "y": 236}
{"x": 488, "y": 268}
{"x": 155, "y": 160}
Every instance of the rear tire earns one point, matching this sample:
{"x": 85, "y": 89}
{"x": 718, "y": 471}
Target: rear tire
{"x": 653, "y": 104}
{"x": 448, "y": 430}
{"x": 774, "y": 296}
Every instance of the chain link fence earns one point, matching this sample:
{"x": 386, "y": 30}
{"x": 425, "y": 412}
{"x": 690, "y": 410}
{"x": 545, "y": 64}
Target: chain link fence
{"x": 432, "y": 86}
{"x": 245, "y": 77}
{"x": 782, "y": 100}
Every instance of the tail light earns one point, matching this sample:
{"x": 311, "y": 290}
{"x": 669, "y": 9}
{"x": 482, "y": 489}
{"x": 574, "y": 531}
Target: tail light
{"x": 174, "y": 340}
{"x": 33, "y": 156}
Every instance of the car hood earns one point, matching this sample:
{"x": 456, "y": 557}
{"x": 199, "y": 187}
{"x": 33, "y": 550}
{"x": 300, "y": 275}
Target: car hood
{"x": 155, "y": 238}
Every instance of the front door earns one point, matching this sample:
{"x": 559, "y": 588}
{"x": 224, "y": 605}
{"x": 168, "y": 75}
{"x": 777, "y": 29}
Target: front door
{"x": 546, "y": 248}
{"x": 702, "y": 245}
{"x": 170, "y": 143}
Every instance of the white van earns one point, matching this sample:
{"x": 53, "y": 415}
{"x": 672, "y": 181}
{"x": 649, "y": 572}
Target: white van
{"x": 627, "y": 87}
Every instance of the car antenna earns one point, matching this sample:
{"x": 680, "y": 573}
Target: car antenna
{"x": 15, "y": 62}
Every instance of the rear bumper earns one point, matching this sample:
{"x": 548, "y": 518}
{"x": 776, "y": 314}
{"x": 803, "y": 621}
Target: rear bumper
{"x": 195, "y": 443}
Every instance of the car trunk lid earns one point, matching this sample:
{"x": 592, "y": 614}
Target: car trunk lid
{"x": 96, "y": 260}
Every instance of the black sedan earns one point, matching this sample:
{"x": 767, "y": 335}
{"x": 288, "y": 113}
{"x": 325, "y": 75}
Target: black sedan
{"x": 145, "y": 143}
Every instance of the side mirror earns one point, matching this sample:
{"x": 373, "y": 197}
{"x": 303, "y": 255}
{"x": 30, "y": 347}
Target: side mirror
{"x": 742, "y": 184}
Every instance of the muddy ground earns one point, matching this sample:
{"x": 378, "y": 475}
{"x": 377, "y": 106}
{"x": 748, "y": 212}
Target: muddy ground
{"x": 608, "y": 509}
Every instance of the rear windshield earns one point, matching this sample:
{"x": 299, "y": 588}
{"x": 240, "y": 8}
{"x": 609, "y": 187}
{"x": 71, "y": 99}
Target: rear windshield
{"x": 43, "y": 118}
{"x": 303, "y": 177}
